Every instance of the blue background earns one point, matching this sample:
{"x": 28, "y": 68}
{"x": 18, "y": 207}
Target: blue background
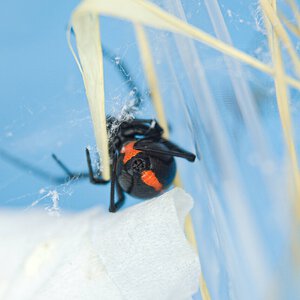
{"x": 44, "y": 110}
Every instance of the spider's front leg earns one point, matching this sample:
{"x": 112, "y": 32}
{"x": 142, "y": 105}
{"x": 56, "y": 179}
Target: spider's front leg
{"x": 93, "y": 179}
{"x": 115, "y": 206}
{"x": 142, "y": 127}
{"x": 146, "y": 145}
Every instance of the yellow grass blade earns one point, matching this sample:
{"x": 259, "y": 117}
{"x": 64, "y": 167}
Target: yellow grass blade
{"x": 150, "y": 73}
{"x": 282, "y": 34}
{"x": 295, "y": 10}
{"x": 292, "y": 27}
{"x": 86, "y": 28}
{"x": 149, "y": 68}
{"x": 283, "y": 103}
{"x": 146, "y": 13}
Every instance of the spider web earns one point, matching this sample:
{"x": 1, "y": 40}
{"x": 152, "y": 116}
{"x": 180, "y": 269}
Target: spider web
{"x": 59, "y": 122}
{"x": 45, "y": 111}
{"x": 51, "y": 118}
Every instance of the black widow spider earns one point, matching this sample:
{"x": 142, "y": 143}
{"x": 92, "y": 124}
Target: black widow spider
{"x": 142, "y": 161}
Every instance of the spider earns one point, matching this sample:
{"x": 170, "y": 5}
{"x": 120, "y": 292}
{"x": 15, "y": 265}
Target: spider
{"x": 141, "y": 161}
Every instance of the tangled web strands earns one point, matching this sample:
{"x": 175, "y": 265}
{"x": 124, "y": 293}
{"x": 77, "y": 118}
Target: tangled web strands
{"x": 240, "y": 179}
{"x": 135, "y": 101}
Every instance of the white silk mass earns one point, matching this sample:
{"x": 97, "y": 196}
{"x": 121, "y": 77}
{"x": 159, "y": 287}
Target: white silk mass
{"x": 138, "y": 253}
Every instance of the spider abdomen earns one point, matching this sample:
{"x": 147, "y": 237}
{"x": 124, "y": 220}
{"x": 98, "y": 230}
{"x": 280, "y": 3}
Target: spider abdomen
{"x": 144, "y": 175}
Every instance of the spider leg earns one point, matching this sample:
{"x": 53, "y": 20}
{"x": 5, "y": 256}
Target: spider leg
{"x": 115, "y": 206}
{"x": 142, "y": 127}
{"x": 36, "y": 171}
{"x": 93, "y": 178}
{"x": 174, "y": 150}
{"x": 153, "y": 124}
{"x": 124, "y": 72}
{"x": 70, "y": 174}
{"x": 142, "y": 121}
{"x": 120, "y": 193}
{"x": 63, "y": 166}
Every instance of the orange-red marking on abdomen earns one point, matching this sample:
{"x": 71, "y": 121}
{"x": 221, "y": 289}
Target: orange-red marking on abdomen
{"x": 149, "y": 178}
{"x": 129, "y": 152}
